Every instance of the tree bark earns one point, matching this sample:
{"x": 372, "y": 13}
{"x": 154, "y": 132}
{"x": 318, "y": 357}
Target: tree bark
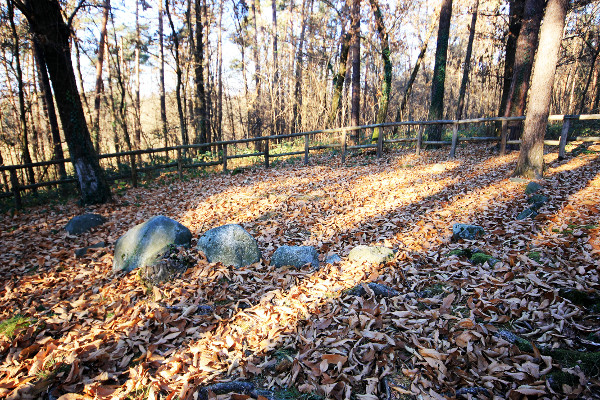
{"x": 99, "y": 85}
{"x": 339, "y": 78}
{"x": 524, "y": 57}
{"x": 467, "y": 64}
{"x": 161, "y": 77}
{"x": 297, "y": 108}
{"x": 355, "y": 46}
{"x": 436, "y": 108}
{"x": 24, "y": 132}
{"x": 136, "y": 101}
{"x": 50, "y": 111}
{"x": 219, "y": 132}
{"x": 514, "y": 27}
{"x": 531, "y": 157}
{"x": 46, "y": 22}
{"x": 200, "y": 111}
{"x": 386, "y": 85}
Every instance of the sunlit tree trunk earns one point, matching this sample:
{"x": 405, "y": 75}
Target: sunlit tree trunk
{"x": 588, "y": 80}
{"x": 467, "y": 64}
{"x": 276, "y": 84}
{"x": 531, "y": 157}
{"x": 436, "y": 108}
{"x": 297, "y": 108}
{"x": 99, "y": 85}
{"x": 136, "y": 101}
{"x": 339, "y": 78}
{"x": 46, "y": 21}
{"x": 219, "y": 132}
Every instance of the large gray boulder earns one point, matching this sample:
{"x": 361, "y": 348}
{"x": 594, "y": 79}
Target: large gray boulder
{"x": 295, "y": 256}
{"x": 83, "y": 223}
{"x": 230, "y": 245}
{"x": 466, "y": 232}
{"x": 146, "y": 243}
{"x": 370, "y": 254}
{"x": 532, "y": 187}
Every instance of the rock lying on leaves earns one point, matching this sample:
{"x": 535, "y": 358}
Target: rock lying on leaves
{"x": 537, "y": 201}
{"x": 527, "y": 213}
{"x": 532, "y": 187}
{"x": 146, "y": 243}
{"x": 370, "y": 254}
{"x": 239, "y": 387}
{"x": 332, "y": 259}
{"x": 467, "y": 232}
{"x": 84, "y": 223}
{"x": 230, "y": 245}
{"x": 377, "y": 288}
{"x": 170, "y": 265}
{"x": 295, "y": 256}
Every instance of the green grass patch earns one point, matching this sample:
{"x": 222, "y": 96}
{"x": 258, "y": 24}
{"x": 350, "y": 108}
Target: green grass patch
{"x": 534, "y": 255}
{"x": 10, "y": 326}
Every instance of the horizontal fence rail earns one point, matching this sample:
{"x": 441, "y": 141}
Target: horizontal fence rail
{"x": 17, "y": 187}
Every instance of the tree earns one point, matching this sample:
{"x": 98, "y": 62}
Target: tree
{"x": 161, "y": 77}
{"x": 524, "y": 57}
{"x": 467, "y": 64}
{"x": 47, "y": 23}
{"x": 355, "y": 46}
{"x": 531, "y": 157}
{"x": 436, "y": 108}
{"x": 99, "y": 64}
{"x": 201, "y": 113}
{"x": 386, "y": 85}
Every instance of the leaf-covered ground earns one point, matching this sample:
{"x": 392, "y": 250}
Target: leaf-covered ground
{"x": 81, "y": 332}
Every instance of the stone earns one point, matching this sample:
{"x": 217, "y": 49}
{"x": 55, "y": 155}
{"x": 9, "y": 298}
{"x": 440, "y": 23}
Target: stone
{"x": 527, "y": 213}
{"x": 537, "y": 201}
{"x": 295, "y": 256}
{"x": 332, "y": 259}
{"x": 467, "y": 232}
{"x": 84, "y": 223}
{"x": 81, "y": 252}
{"x": 377, "y": 288}
{"x": 146, "y": 243}
{"x": 438, "y": 168}
{"x": 370, "y": 254}
{"x": 532, "y": 187}
{"x": 230, "y": 245}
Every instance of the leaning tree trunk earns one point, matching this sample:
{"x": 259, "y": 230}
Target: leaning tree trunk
{"x": 531, "y": 157}
{"x": 436, "y": 108}
{"x": 46, "y": 22}
{"x": 355, "y": 45}
{"x": 386, "y": 85}
{"x": 182, "y": 125}
{"x": 338, "y": 79}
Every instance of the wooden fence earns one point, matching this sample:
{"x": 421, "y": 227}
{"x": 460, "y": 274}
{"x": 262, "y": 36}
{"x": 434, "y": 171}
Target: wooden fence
{"x": 16, "y": 187}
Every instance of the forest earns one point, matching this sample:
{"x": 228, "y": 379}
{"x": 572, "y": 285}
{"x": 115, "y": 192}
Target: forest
{"x": 218, "y": 200}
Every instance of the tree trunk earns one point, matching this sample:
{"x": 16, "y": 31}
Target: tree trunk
{"x": 180, "y": 109}
{"x": 586, "y": 87}
{"x": 50, "y": 111}
{"x": 531, "y": 157}
{"x": 355, "y": 45}
{"x": 524, "y": 56}
{"x": 200, "y": 111}
{"x": 514, "y": 27}
{"x": 386, "y": 85}
{"x": 46, "y": 22}
{"x": 276, "y": 84}
{"x": 436, "y": 108}
{"x": 136, "y": 101}
{"x": 24, "y": 132}
{"x": 161, "y": 78}
{"x": 80, "y": 76}
{"x": 297, "y": 108}
{"x": 467, "y": 65}
{"x": 99, "y": 86}
{"x": 339, "y": 78}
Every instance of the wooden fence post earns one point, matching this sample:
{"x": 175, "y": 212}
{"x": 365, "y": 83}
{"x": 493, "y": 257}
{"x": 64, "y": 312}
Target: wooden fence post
{"x": 134, "y": 181}
{"x": 503, "y": 134}
{"x": 344, "y": 145}
{"x": 266, "y": 153}
{"x": 224, "y": 157}
{"x": 380, "y": 143}
{"x": 454, "y": 140}
{"x": 14, "y": 182}
{"x": 179, "y": 164}
{"x": 563, "y": 137}
{"x": 306, "y": 148}
{"x": 420, "y": 139}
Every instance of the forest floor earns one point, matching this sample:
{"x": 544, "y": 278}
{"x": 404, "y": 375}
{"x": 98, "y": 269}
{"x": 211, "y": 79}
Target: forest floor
{"x": 459, "y": 328}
